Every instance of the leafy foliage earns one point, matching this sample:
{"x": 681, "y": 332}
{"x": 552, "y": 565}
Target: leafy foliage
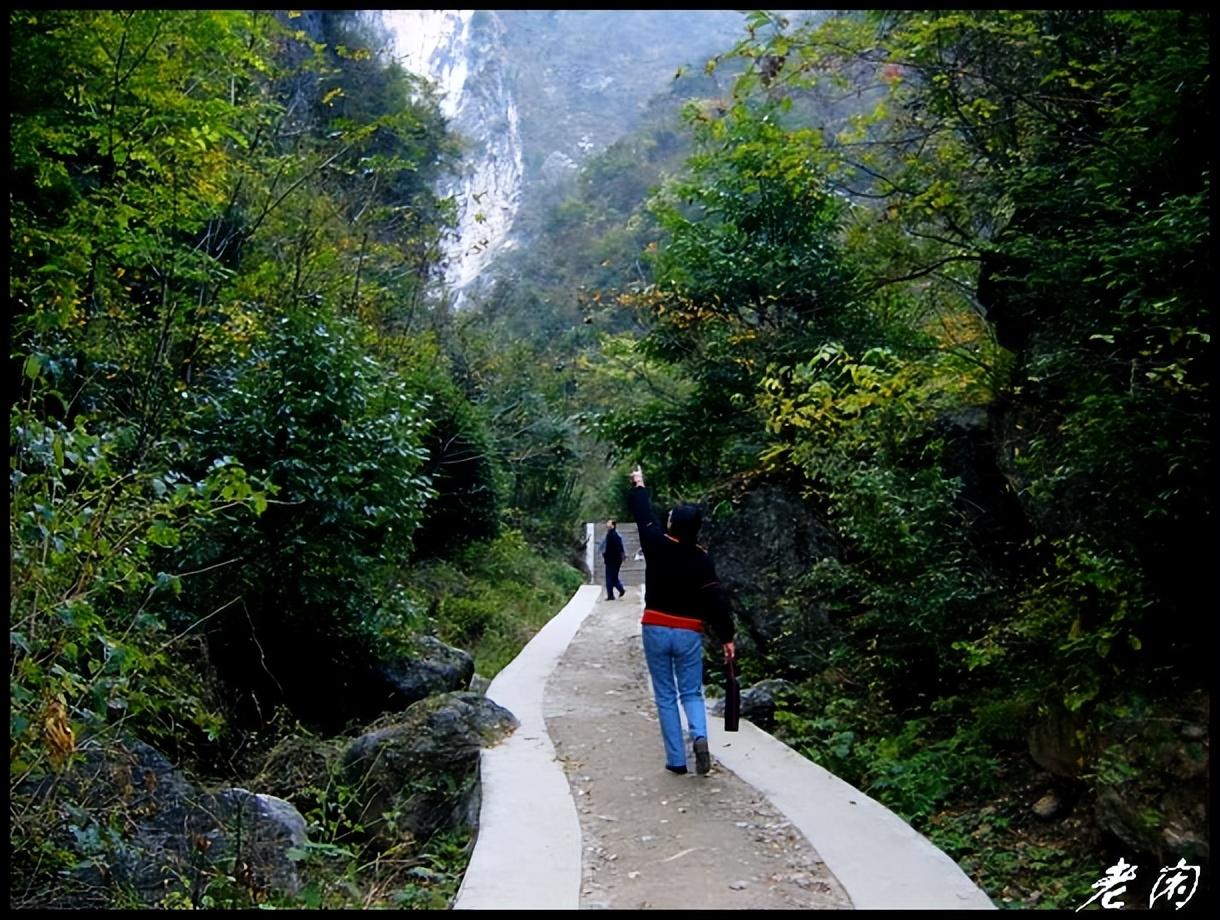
{"x": 339, "y": 441}
{"x": 946, "y": 271}
{"x": 739, "y": 284}
{"x": 947, "y": 268}
{"x": 492, "y": 597}
{"x": 231, "y": 423}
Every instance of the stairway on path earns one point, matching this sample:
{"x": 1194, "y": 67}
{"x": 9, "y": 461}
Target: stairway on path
{"x": 632, "y": 572}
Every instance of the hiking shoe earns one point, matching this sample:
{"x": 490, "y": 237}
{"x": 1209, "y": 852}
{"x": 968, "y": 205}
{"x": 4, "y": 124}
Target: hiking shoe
{"x": 703, "y": 760}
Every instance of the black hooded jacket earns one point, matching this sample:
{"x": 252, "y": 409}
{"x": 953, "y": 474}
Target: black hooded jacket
{"x": 679, "y": 578}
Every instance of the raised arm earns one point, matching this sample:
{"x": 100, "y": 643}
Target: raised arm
{"x": 652, "y": 534}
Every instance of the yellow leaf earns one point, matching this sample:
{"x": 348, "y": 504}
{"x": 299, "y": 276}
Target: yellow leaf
{"x": 57, "y": 732}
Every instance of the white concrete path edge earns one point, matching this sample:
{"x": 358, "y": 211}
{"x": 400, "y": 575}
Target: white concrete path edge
{"x": 881, "y": 861}
{"x": 528, "y": 851}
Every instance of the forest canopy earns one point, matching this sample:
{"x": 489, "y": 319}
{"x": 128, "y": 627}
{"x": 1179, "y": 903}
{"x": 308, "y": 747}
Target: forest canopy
{"x": 930, "y": 288}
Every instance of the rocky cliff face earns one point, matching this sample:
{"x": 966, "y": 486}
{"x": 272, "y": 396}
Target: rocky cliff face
{"x": 463, "y": 53}
{"x": 584, "y": 77}
{"x": 534, "y": 92}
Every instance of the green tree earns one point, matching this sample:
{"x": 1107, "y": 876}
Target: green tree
{"x": 1060, "y": 152}
{"x": 748, "y": 273}
{"x": 1029, "y": 192}
{"x": 339, "y": 440}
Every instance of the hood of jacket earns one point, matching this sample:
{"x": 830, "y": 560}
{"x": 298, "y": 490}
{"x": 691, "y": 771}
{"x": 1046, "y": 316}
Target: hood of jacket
{"x": 684, "y": 523}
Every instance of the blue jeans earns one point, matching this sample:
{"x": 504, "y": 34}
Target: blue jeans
{"x": 675, "y": 661}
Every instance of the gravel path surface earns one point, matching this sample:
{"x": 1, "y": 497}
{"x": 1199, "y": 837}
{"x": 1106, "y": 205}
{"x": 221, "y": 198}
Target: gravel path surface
{"x": 651, "y": 839}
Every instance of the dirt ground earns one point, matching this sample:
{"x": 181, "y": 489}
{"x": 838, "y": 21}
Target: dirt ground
{"x": 651, "y": 839}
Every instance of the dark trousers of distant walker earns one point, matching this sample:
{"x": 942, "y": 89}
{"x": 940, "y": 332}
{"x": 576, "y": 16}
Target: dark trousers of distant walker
{"x": 612, "y": 581}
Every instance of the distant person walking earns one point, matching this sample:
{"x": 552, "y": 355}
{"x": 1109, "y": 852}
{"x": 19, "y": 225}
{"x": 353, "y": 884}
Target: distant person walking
{"x": 682, "y": 598}
{"x": 612, "y": 554}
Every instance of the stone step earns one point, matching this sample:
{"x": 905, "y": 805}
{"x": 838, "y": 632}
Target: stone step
{"x": 631, "y": 574}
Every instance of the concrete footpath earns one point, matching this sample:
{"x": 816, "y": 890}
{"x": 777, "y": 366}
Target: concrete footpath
{"x": 528, "y": 853}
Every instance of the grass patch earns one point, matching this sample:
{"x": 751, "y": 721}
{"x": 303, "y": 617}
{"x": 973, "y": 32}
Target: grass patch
{"x": 493, "y": 598}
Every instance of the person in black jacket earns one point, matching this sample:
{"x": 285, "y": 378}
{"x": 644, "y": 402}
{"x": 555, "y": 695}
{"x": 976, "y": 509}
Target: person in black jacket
{"x": 683, "y": 599}
{"x": 612, "y": 555}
